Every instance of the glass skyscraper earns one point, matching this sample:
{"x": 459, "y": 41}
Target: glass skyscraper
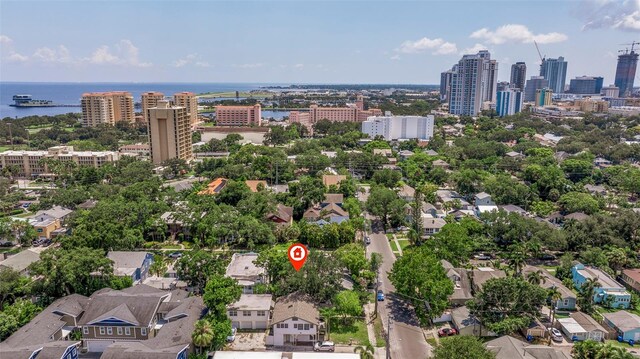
{"x": 626, "y": 73}
{"x": 554, "y": 71}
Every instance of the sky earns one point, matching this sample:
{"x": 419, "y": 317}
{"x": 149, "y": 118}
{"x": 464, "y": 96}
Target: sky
{"x": 385, "y": 42}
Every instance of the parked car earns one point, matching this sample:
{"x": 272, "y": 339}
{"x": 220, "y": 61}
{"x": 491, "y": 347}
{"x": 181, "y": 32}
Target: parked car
{"x": 46, "y": 243}
{"x": 445, "y": 332}
{"x": 232, "y": 337}
{"x": 367, "y": 240}
{"x": 380, "y": 295}
{"x": 175, "y": 255}
{"x": 324, "y": 347}
{"x": 482, "y": 257}
{"x": 556, "y": 335}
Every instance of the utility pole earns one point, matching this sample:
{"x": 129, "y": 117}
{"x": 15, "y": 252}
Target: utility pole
{"x": 388, "y": 337}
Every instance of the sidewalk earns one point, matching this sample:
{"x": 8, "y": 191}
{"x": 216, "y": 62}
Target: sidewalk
{"x": 380, "y": 353}
{"x": 395, "y": 239}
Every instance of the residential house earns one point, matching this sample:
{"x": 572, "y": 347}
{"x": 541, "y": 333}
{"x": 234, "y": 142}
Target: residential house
{"x": 626, "y": 324}
{"x": 243, "y": 269}
{"x": 330, "y": 213}
{"x": 568, "y": 297}
{"x": 580, "y": 326}
{"x": 449, "y": 196}
{"x": 595, "y": 190}
{"x": 255, "y": 185}
{"x": 333, "y": 180}
{"x": 512, "y": 208}
{"x": 602, "y": 163}
{"x": 467, "y": 324}
{"x": 56, "y": 212}
{"x": 431, "y": 226}
{"x": 431, "y": 152}
{"x": 283, "y": 215}
{"x": 576, "y": 216}
{"x": 386, "y": 152}
{"x": 88, "y": 204}
{"x": 507, "y": 347}
{"x": 440, "y": 164}
{"x": 631, "y": 277}
{"x": 483, "y": 199}
{"x": 21, "y": 261}
{"x": 404, "y": 154}
{"x": 461, "y": 284}
{"x": 560, "y": 156}
{"x": 515, "y": 155}
{"x": 282, "y": 355}
{"x": 134, "y": 265}
{"x": 609, "y": 292}
{"x": 407, "y": 193}
{"x": 47, "y": 335}
{"x": 295, "y": 321}
{"x": 251, "y": 311}
{"x": 214, "y": 187}
{"x": 172, "y": 333}
{"x": 337, "y": 198}
{"x": 481, "y": 275}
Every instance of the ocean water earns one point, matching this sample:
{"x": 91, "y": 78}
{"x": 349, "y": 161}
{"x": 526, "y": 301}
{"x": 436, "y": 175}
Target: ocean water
{"x": 70, "y": 93}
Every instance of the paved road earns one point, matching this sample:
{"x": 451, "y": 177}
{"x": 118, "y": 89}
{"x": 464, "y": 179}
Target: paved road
{"x": 407, "y": 340}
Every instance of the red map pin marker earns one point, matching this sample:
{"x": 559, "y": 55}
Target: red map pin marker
{"x": 297, "y": 255}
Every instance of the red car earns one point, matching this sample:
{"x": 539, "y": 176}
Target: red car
{"x": 445, "y": 332}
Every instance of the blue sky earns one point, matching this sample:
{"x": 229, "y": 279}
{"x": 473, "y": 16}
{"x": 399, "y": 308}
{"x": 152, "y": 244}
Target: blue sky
{"x": 303, "y": 41}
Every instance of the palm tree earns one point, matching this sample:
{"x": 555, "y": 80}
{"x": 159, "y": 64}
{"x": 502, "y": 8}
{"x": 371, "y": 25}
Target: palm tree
{"x": 554, "y": 296}
{"x": 366, "y": 352}
{"x": 536, "y": 277}
{"x": 585, "y": 350}
{"x": 586, "y": 293}
{"x": 517, "y": 259}
{"x": 202, "y": 335}
{"x": 159, "y": 265}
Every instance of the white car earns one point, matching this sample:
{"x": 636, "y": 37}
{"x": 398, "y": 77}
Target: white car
{"x": 232, "y": 337}
{"x": 324, "y": 347}
{"x": 556, "y": 335}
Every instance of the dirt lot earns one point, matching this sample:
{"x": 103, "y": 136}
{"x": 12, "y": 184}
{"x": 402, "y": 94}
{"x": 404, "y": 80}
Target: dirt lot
{"x": 249, "y": 341}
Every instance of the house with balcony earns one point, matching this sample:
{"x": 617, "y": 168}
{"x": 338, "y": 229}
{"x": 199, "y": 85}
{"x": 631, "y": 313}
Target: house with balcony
{"x": 608, "y": 292}
{"x": 295, "y": 321}
{"x": 48, "y": 334}
{"x": 243, "y": 269}
{"x": 431, "y": 226}
{"x": 251, "y": 311}
{"x": 134, "y": 265}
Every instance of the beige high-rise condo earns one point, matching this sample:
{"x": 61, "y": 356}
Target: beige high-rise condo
{"x": 149, "y": 100}
{"x": 189, "y": 101}
{"x": 107, "y": 108}
{"x": 169, "y": 130}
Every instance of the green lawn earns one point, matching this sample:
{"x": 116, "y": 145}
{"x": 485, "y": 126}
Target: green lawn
{"x": 562, "y": 315}
{"x": 550, "y": 269}
{"x": 616, "y": 343}
{"x": 394, "y": 247}
{"x": 389, "y": 236}
{"x": 404, "y": 243}
{"x": 354, "y": 333}
{"x": 379, "y": 331}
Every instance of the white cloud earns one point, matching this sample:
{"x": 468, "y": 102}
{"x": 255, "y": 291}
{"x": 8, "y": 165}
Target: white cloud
{"x": 126, "y": 54}
{"x": 45, "y": 54}
{"x": 610, "y": 14}
{"x": 248, "y": 66}
{"x": 194, "y": 59}
{"x": 16, "y": 57}
{"x": 439, "y": 46}
{"x": 473, "y": 49}
{"x": 4, "y": 39}
{"x": 395, "y": 57}
{"x": 298, "y": 66}
{"x": 515, "y": 33}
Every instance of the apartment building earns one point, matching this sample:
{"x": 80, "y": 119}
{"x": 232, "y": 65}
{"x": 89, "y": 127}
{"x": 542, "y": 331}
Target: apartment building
{"x": 238, "y": 115}
{"x": 106, "y": 108}
{"x": 295, "y": 321}
{"x": 189, "y": 101}
{"x": 148, "y": 100}
{"x": 244, "y": 269}
{"x": 32, "y": 164}
{"x": 251, "y": 311}
{"x": 169, "y": 131}
{"x": 399, "y": 127}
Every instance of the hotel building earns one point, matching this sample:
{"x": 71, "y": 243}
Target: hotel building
{"x": 333, "y": 114}
{"x": 189, "y": 101}
{"x": 148, "y": 100}
{"x": 238, "y": 115}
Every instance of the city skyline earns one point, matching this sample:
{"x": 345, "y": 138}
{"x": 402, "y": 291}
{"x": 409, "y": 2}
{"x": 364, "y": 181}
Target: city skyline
{"x": 304, "y": 41}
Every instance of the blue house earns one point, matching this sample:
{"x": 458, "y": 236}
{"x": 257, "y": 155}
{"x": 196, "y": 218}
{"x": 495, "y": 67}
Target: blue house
{"x": 626, "y": 324}
{"x": 608, "y": 292}
{"x": 131, "y": 264}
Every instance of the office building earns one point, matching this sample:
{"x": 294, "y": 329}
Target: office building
{"x": 626, "y": 72}
{"x": 238, "y": 115}
{"x": 169, "y": 131}
{"x": 518, "y": 75}
{"x": 586, "y": 85}
{"x": 592, "y": 105}
{"x": 445, "y": 85}
{"x": 399, "y": 127}
{"x": 106, "y": 108}
{"x": 148, "y": 100}
{"x": 473, "y": 82}
{"x": 509, "y": 102}
{"x": 533, "y": 85}
{"x": 611, "y": 91}
{"x": 189, "y": 101}
{"x": 543, "y": 97}
{"x": 30, "y": 164}
{"x": 554, "y": 71}
{"x": 503, "y": 86}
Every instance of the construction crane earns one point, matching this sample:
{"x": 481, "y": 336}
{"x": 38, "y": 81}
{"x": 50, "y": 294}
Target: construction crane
{"x": 539, "y": 54}
{"x": 632, "y": 44}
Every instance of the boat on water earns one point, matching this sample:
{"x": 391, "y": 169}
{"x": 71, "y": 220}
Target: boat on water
{"x": 28, "y": 101}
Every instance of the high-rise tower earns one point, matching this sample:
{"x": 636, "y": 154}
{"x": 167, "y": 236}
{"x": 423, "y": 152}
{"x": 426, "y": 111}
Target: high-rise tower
{"x": 518, "y": 75}
{"x": 473, "y": 82}
{"x": 554, "y": 71}
{"x": 626, "y": 71}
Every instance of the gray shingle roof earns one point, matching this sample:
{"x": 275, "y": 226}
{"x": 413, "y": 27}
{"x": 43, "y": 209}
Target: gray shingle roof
{"x": 136, "y": 304}
{"x": 623, "y": 320}
{"x": 295, "y": 305}
{"x": 124, "y": 263}
{"x": 19, "y": 262}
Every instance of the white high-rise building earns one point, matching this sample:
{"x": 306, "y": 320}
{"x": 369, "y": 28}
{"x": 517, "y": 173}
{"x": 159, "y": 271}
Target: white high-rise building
{"x": 399, "y": 127}
{"x": 474, "y": 82}
{"x": 509, "y": 102}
